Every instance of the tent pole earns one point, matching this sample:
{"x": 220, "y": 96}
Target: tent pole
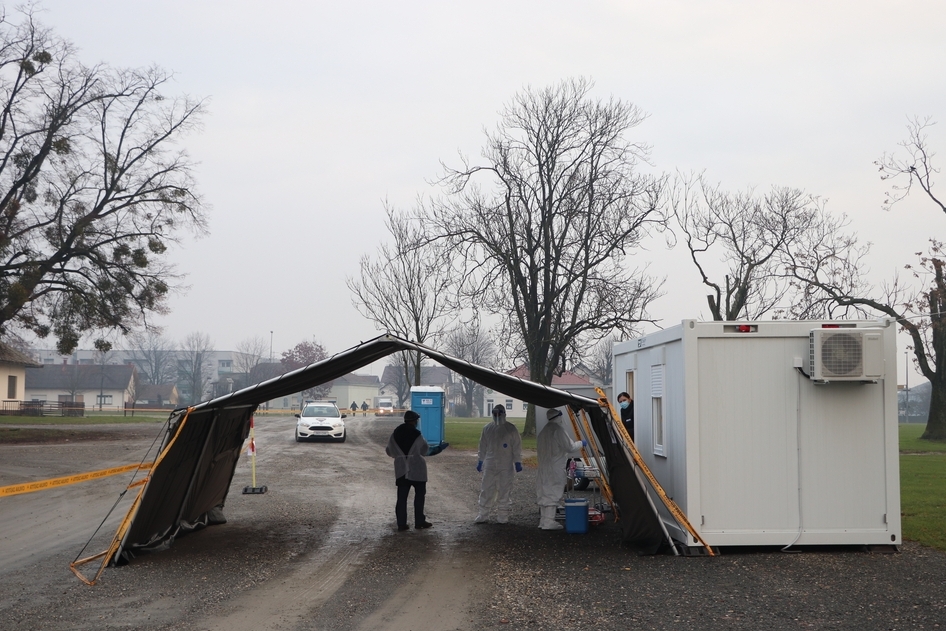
{"x": 635, "y": 457}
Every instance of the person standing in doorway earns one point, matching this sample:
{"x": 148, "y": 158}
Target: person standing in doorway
{"x": 626, "y": 404}
{"x": 408, "y": 448}
{"x": 500, "y": 458}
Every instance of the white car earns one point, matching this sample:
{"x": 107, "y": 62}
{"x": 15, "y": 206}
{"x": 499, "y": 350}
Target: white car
{"x": 320, "y": 419}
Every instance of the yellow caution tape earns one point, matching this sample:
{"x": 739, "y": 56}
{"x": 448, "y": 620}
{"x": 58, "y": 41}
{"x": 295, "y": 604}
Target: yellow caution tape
{"x": 53, "y": 483}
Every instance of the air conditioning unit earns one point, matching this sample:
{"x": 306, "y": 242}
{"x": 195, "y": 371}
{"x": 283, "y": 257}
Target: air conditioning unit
{"x": 846, "y": 354}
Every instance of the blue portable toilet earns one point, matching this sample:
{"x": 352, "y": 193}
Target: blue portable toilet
{"x": 428, "y": 402}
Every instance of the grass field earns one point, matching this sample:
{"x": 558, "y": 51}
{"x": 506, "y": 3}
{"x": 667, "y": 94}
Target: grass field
{"x": 464, "y": 433}
{"x": 923, "y": 498}
{"x": 910, "y": 440}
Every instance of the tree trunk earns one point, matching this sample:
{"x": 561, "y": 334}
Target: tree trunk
{"x": 529, "y": 429}
{"x": 936, "y": 424}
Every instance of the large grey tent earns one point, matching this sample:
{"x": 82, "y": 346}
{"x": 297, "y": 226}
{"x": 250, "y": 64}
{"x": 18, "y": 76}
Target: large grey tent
{"x": 191, "y": 476}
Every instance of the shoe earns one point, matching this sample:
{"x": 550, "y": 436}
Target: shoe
{"x": 403, "y": 528}
{"x": 481, "y": 519}
{"x": 502, "y": 520}
{"x": 426, "y": 524}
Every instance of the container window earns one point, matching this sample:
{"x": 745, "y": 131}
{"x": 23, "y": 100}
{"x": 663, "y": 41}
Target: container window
{"x": 657, "y": 405}
{"x": 657, "y": 409}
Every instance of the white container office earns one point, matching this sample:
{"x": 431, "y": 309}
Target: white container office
{"x": 770, "y": 433}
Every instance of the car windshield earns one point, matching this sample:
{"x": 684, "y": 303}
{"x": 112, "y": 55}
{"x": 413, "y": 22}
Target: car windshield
{"x": 329, "y": 411}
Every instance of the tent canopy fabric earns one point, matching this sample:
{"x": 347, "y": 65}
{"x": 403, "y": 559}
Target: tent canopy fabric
{"x": 191, "y": 477}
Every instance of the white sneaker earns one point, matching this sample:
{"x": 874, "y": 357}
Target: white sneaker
{"x": 502, "y": 519}
{"x": 552, "y": 526}
{"x": 481, "y": 519}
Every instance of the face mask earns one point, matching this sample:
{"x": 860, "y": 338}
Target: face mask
{"x": 624, "y": 404}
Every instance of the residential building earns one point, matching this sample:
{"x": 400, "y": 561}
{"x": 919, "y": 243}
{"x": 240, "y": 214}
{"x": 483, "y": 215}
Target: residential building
{"x": 357, "y": 388}
{"x": 568, "y": 381}
{"x": 13, "y": 366}
{"x": 394, "y": 383}
{"x": 163, "y": 395}
{"x": 99, "y": 387}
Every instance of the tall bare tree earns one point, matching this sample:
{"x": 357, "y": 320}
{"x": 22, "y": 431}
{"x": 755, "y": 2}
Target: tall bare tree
{"x": 92, "y": 188}
{"x": 919, "y": 307}
{"x": 250, "y": 353}
{"x": 599, "y": 361}
{"x": 405, "y": 289}
{"x": 155, "y": 357}
{"x": 195, "y": 368}
{"x": 401, "y": 375}
{"x": 470, "y": 341}
{"x": 546, "y": 225}
{"x": 740, "y": 236}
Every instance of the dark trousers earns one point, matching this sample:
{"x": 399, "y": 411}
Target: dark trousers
{"x": 400, "y": 509}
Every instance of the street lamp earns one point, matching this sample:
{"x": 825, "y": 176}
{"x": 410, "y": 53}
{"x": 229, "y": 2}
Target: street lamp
{"x": 270, "y": 347}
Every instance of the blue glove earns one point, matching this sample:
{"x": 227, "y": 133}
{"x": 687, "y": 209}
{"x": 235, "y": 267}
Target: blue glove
{"x": 436, "y": 449}
{"x": 479, "y": 465}
{"x": 584, "y": 443}
{"x": 518, "y": 467}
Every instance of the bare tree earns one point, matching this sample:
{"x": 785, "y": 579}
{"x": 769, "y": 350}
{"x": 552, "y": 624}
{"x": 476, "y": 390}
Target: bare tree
{"x": 599, "y": 361}
{"x": 399, "y": 377}
{"x": 545, "y": 227}
{"x": 92, "y": 189}
{"x": 154, "y": 357}
{"x": 195, "y": 369}
{"x": 405, "y": 290}
{"x": 250, "y": 353}
{"x": 919, "y": 308}
{"x": 743, "y": 234}
{"x": 471, "y": 342}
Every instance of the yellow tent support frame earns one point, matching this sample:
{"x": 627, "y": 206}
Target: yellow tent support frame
{"x": 106, "y": 555}
{"x": 602, "y": 480}
{"x": 639, "y": 462}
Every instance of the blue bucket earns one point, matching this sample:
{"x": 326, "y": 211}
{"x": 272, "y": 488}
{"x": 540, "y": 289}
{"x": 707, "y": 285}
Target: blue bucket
{"x": 576, "y": 516}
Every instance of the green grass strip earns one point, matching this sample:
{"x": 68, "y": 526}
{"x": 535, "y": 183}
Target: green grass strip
{"x": 923, "y": 499}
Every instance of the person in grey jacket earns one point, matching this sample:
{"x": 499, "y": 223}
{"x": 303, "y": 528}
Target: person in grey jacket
{"x": 408, "y": 448}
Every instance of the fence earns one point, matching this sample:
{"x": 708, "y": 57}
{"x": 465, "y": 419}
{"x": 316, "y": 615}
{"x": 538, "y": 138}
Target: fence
{"x": 42, "y": 408}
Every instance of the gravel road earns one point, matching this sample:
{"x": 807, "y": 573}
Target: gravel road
{"x": 319, "y": 551}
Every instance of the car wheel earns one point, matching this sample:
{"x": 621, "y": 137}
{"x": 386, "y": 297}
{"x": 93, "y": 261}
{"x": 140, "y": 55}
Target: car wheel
{"x": 582, "y": 483}
{"x": 344, "y": 436}
{"x": 298, "y": 438}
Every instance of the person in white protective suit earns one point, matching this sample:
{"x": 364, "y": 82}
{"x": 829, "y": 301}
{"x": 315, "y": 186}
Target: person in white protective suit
{"x": 500, "y": 458}
{"x": 553, "y": 446}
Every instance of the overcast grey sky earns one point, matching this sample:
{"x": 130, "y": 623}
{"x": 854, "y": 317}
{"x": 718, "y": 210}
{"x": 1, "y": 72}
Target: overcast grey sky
{"x": 318, "y": 112}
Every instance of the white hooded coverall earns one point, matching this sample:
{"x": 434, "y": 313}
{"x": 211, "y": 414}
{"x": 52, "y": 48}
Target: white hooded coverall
{"x": 553, "y": 446}
{"x": 500, "y": 449}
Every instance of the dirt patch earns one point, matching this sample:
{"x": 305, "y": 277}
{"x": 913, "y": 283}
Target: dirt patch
{"x": 43, "y": 435}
